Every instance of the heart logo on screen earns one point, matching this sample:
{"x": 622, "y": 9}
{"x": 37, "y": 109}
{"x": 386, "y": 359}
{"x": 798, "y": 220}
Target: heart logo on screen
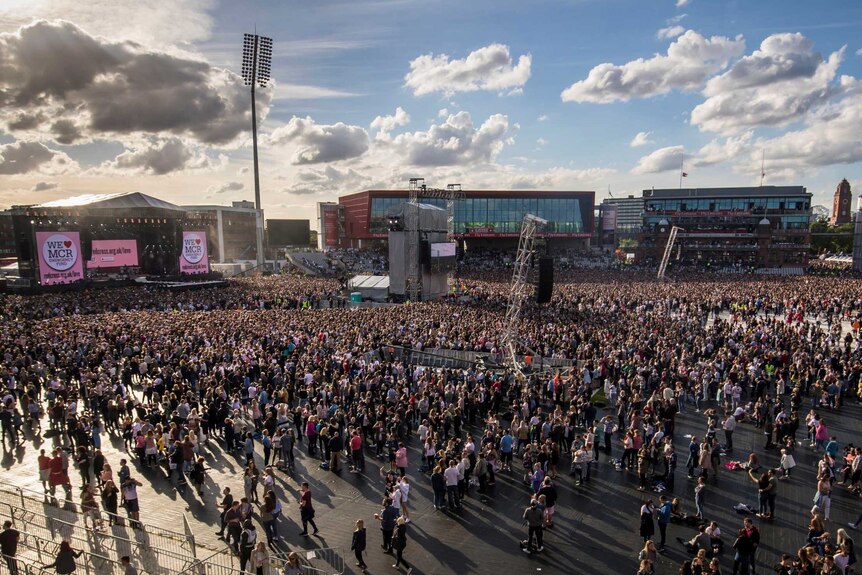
{"x": 198, "y": 241}
{"x": 67, "y": 243}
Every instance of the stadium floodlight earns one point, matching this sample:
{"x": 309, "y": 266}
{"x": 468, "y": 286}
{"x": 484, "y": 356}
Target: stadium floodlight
{"x": 256, "y": 71}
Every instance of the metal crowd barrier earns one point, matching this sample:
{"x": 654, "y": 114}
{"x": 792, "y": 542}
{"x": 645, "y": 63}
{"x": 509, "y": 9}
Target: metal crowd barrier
{"x": 69, "y": 511}
{"x": 35, "y": 552}
{"x": 148, "y": 557}
{"x": 323, "y": 561}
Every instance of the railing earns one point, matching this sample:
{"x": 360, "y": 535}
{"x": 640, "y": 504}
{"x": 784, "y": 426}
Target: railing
{"x": 323, "y": 561}
{"x": 35, "y": 552}
{"x": 150, "y": 558}
{"x": 70, "y": 512}
{"x": 210, "y": 565}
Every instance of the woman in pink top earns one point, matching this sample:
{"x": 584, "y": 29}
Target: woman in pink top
{"x": 311, "y": 434}
{"x": 821, "y": 435}
{"x": 401, "y": 460}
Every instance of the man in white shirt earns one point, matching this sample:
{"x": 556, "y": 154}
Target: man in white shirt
{"x": 451, "y": 476}
{"x": 729, "y": 426}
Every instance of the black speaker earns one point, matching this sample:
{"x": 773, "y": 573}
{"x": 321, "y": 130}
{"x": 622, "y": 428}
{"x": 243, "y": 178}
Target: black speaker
{"x": 86, "y": 244}
{"x": 24, "y": 252}
{"x": 425, "y": 253}
{"x": 545, "y": 287}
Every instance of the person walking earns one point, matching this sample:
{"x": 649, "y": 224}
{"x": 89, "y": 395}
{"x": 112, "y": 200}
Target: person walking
{"x": 387, "y": 517}
{"x": 399, "y": 543}
{"x": 128, "y": 568}
{"x": 306, "y": 509}
{"x": 198, "y": 475}
{"x": 233, "y": 523}
{"x": 269, "y": 516}
{"x": 64, "y": 563}
{"x": 130, "y": 496}
{"x": 226, "y": 503}
{"x": 9, "y": 538}
{"x": 293, "y": 566}
{"x": 247, "y": 544}
{"x": 260, "y": 559}
{"x": 534, "y": 517}
{"x": 747, "y": 540}
{"x": 357, "y": 545}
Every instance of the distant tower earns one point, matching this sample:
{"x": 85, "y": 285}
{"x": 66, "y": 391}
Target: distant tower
{"x": 841, "y": 204}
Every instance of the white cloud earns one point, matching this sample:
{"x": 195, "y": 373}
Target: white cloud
{"x": 556, "y": 178}
{"x": 442, "y": 113}
{"x": 662, "y": 160}
{"x": 160, "y": 157}
{"x": 489, "y": 68}
{"x": 690, "y": 60}
{"x": 455, "y": 142}
{"x": 542, "y": 142}
{"x": 669, "y": 32}
{"x": 718, "y": 151}
{"x": 831, "y": 136}
{"x": 146, "y": 22}
{"x": 859, "y": 52}
{"x": 319, "y": 143}
{"x": 641, "y": 139}
{"x": 542, "y": 118}
{"x": 681, "y": 3}
{"x": 773, "y": 86}
{"x": 385, "y": 124}
{"x": 313, "y": 180}
{"x": 60, "y": 83}
{"x": 34, "y": 158}
{"x": 305, "y": 92}
{"x": 226, "y": 187}
{"x": 242, "y": 171}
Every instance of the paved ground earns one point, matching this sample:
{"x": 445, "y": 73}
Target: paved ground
{"x": 597, "y": 524}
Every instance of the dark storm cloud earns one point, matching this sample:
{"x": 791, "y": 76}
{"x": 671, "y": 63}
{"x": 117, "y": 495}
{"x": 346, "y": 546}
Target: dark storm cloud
{"x": 106, "y": 88}
{"x": 24, "y": 157}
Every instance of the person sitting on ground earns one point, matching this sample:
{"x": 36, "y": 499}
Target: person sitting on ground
{"x": 701, "y": 541}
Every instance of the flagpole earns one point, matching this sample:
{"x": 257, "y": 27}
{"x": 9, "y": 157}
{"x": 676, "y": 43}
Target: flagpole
{"x": 762, "y": 160}
{"x": 681, "y": 167}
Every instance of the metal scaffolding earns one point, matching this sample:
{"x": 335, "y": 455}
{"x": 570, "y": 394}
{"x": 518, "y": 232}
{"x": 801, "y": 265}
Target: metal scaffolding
{"x": 667, "y": 251}
{"x": 417, "y": 190}
{"x": 519, "y": 288}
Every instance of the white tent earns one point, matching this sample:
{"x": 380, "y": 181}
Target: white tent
{"x": 375, "y": 288}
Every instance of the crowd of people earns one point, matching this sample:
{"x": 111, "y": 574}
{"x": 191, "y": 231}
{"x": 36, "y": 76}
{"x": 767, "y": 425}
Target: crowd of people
{"x": 263, "y": 369}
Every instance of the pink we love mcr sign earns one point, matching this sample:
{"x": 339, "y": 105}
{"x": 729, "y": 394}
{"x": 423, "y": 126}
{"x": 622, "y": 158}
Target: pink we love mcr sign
{"x": 194, "y": 258}
{"x": 59, "y": 257}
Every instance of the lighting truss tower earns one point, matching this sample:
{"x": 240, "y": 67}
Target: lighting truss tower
{"x": 256, "y": 70}
{"x": 668, "y": 249}
{"x": 520, "y": 286}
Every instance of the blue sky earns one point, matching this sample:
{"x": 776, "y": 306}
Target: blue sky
{"x": 120, "y": 95}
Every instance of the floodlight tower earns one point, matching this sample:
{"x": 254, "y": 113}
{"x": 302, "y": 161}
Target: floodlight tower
{"x": 256, "y": 69}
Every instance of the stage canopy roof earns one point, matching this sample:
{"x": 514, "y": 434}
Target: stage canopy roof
{"x": 124, "y": 200}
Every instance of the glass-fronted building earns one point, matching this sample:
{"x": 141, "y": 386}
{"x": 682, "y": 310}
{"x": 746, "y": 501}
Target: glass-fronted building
{"x": 766, "y": 226}
{"x": 481, "y": 215}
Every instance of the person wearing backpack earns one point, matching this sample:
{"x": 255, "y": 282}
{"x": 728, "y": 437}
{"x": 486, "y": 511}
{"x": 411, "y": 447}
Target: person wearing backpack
{"x": 247, "y": 543}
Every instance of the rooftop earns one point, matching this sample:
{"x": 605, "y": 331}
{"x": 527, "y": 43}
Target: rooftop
{"x": 742, "y": 192}
{"x": 123, "y": 200}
